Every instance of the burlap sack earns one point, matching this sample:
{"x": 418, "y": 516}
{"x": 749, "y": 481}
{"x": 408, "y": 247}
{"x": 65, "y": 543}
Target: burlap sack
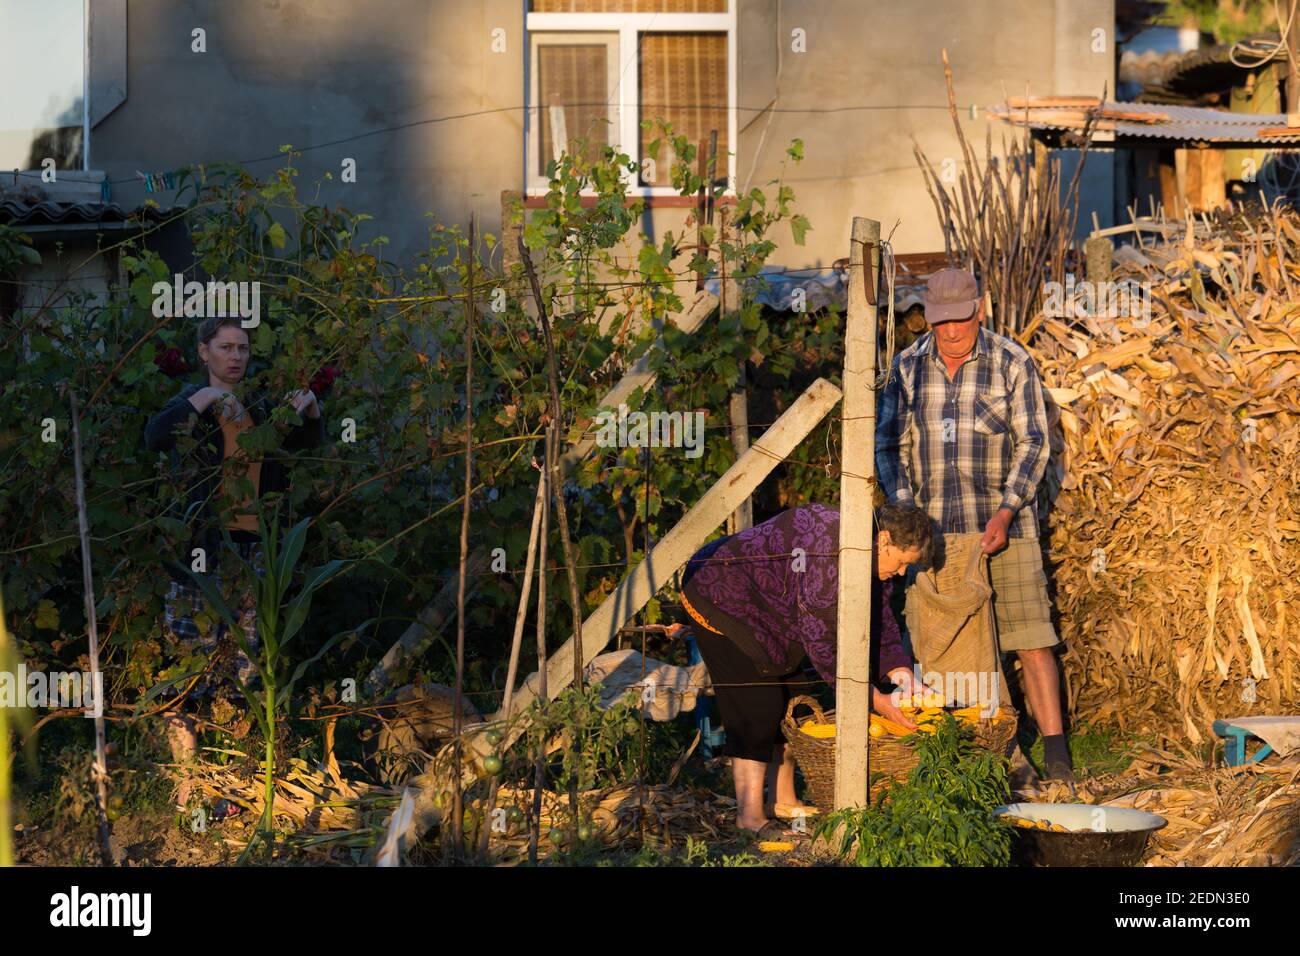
{"x": 954, "y": 635}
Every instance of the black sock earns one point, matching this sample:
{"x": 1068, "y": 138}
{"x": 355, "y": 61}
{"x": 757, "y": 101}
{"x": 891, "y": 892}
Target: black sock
{"x": 1054, "y": 749}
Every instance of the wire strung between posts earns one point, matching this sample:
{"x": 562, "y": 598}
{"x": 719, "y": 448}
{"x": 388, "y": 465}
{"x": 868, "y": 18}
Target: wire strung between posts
{"x": 887, "y": 256}
{"x": 473, "y": 114}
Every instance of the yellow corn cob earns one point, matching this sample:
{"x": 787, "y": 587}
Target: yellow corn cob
{"x": 820, "y": 731}
{"x": 889, "y": 726}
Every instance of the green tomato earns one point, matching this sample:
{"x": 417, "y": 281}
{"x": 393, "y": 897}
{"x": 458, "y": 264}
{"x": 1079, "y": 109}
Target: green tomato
{"x": 584, "y": 833}
{"x": 557, "y": 836}
{"x": 115, "y": 802}
{"x": 492, "y": 764}
{"x": 493, "y": 737}
{"x": 515, "y": 815}
{"x": 112, "y": 814}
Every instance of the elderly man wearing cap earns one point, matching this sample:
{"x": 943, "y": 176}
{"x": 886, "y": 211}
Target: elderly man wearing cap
{"x": 962, "y": 432}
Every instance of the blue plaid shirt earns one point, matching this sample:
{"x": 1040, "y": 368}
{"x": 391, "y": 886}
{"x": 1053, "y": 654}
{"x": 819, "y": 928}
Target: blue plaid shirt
{"x": 962, "y": 448}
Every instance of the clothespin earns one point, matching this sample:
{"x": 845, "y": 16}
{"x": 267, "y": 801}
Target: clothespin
{"x": 104, "y": 191}
{"x": 168, "y": 181}
{"x": 148, "y": 186}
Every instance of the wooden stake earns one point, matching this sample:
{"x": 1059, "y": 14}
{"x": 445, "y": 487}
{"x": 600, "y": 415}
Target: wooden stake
{"x": 457, "y": 808}
{"x": 100, "y": 769}
{"x": 561, "y": 513}
{"x": 857, "y": 487}
{"x": 539, "y": 774}
{"x": 513, "y": 668}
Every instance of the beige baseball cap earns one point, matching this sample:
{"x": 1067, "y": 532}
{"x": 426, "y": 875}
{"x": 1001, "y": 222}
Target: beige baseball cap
{"x": 950, "y": 294}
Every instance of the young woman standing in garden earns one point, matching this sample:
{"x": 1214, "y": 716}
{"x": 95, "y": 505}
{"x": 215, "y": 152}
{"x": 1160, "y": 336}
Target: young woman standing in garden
{"x": 218, "y": 470}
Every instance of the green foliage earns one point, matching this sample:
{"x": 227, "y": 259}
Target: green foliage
{"x": 942, "y": 815}
{"x": 600, "y": 746}
{"x": 391, "y": 339}
{"x": 15, "y": 251}
{"x": 279, "y": 620}
{"x": 1226, "y": 20}
{"x": 695, "y": 852}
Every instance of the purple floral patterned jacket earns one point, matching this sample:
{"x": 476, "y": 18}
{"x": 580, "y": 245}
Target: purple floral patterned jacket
{"x": 746, "y": 585}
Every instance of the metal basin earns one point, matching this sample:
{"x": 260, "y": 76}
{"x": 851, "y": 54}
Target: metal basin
{"x": 1099, "y": 835}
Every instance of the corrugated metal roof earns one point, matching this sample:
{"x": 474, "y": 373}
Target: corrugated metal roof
{"x": 1181, "y": 123}
{"x": 1207, "y": 74}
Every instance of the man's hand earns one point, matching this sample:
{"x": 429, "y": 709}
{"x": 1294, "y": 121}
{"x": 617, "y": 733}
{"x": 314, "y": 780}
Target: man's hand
{"x": 304, "y": 403}
{"x": 995, "y": 532}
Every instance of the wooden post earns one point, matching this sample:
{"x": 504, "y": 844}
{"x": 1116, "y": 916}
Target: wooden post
{"x": 1292, "y": 73}
{"x": 510, "y": 231}
{"x": 738, "y": 401}
{"x": 857, "y": 486}
{"x": 1097, "y": 253}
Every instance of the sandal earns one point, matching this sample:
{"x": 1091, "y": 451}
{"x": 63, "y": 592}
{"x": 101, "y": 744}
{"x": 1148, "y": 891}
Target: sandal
{"x": 790, "y": 811}
{"x": 772, "y": 830}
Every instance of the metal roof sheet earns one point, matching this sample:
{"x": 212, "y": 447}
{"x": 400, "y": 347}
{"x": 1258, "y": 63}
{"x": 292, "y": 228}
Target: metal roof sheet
{"x": 1182, "y": 123}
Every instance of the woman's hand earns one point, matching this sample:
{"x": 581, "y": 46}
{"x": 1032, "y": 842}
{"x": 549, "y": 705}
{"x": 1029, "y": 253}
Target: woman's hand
{"x": 202, "y": 399}
{"x": 304, "y": 403}
{"x": 674, "y": 631}
{"x": 908, "y": 687}
{"x": 881, "y": 703}
{"x": 210, "y": 395}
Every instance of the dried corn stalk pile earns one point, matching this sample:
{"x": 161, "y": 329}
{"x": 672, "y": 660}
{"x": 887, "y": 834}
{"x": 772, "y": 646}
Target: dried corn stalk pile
{"x": 623, "y": 818}
{"x": 1215, "y": 817}
{"x": 1176, "y": 495}
{"x": 317, "y": 801}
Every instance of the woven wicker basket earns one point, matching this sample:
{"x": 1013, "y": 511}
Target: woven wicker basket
{"x": 891, "y": 757}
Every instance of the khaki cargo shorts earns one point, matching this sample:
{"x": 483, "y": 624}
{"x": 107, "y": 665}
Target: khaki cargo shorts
{"x": 1020, "y": 604}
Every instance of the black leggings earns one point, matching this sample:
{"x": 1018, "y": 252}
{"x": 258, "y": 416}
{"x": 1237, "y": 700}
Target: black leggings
{"x": 752, "y": 704}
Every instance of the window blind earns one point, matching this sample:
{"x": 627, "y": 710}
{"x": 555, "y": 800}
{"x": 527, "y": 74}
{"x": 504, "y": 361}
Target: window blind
{"x": 683, "y": 79}
{"x": 573, "y": 76}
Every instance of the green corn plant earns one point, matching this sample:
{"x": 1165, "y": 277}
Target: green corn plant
{"x": 279, "y": 620}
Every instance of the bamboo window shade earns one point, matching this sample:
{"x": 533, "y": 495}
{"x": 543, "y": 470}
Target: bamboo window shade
{"x": 573, "y": 75}
{"x": 683, "y": 78}
{"x": 627, "y": 6}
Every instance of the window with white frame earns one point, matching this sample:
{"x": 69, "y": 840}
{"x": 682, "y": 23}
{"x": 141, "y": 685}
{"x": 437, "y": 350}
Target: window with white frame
{"x": 42, "y": 84}
{"x": 598, "y": 68}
